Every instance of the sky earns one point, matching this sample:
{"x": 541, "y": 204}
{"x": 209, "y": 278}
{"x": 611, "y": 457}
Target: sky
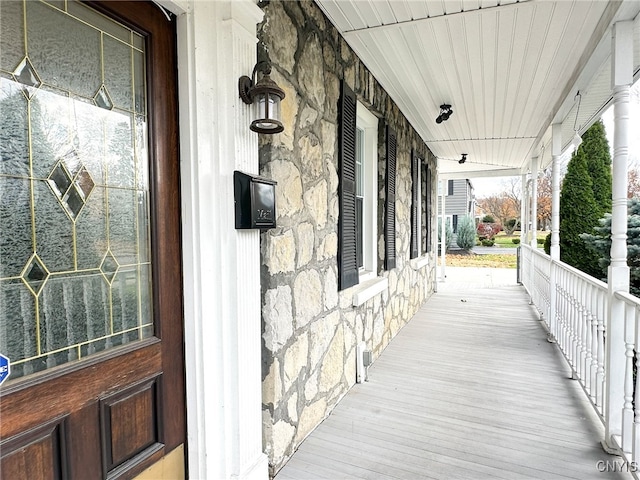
{"x": 485, "y": 187}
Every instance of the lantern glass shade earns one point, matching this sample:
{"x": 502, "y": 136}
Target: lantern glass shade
{"x": 267, "y": 113}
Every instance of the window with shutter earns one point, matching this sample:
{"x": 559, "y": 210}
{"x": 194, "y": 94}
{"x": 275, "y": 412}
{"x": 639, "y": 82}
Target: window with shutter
{"x": 427, "y": 209}
{"x": 415, "y": 199}
{"x": 390, "y": 202}
{"x": 347, "y": 227}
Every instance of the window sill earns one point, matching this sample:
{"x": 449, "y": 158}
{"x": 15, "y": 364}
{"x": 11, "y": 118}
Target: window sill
{"x": 420, "y": 262}
{"x": 369, "y": 289}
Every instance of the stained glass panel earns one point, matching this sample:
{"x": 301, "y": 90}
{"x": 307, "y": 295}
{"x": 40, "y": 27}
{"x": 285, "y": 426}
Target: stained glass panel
{"x": 91, "y": 231}
{"x": 122, "y": 225}
{"x": 120, "y": 149}
{"x": 17, "y": 320}
{"x": 51, "y": 131}
{"x": 15, "y": 234}
{"x": 117, "y": 72}
{"x": 75, "y": 277}
{"x": 12, "y": 38}
{"x": 14, "y": 130}
{"x": 54, "y": 229}
{"x": 65, "y": 52}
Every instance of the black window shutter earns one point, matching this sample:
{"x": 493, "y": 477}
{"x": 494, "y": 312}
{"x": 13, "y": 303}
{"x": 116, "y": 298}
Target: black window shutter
{"x": 428, "y": 216}
{"x": 347, "y": 233}
{"x": 450, "y": 187}
{"x": 390, "y": 203}
{"x": 455, "y": 224}
{"x": 415, "y": 204}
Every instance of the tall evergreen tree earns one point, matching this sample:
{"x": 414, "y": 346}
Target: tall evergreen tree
{"x": 585, "y": 198}
{"x": 595, "y": 147}
{"x": 578, "y": 214}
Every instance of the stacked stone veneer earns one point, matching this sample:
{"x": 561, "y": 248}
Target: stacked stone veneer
{"x": 310, "y": 329}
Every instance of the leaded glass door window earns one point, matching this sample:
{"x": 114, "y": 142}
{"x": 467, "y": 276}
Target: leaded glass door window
{"x": 75, "y": 258}
{"x": 90, "y": 271}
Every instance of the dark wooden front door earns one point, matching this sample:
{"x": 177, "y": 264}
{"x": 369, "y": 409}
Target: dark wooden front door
{"x": 90, "y": 256}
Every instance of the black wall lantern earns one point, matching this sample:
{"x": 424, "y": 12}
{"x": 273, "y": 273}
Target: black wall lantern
{"x": 265, "y": 95}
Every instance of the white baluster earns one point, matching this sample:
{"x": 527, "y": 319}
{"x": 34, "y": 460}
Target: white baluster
{"x": 581, "y": 349}
{"x": 588, "y": 357}
{"x": 594, "y": 342}
{"x": 600, "y": 372}
{"x": 575, "y": 325}
{"x": 627, "y": 409}
{"x": 635, "y": 456}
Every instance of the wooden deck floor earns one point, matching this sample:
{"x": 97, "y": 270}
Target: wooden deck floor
{"x": 469, "y": 389}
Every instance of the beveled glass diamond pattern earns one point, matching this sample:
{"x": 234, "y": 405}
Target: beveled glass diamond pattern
{"x": 26, "y": 74}
{"x": 73, "y": 201}
{"x": 35, "y": 274}
{"x": 109, "y": 266}
{"x": 71, "y": 183}
{"x": 103, "y": 99}
{"x": 59, "y": 180}
{"x": 84, "y": 183}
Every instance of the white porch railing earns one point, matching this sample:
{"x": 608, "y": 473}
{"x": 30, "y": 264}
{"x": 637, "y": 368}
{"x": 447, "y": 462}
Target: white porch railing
{"x": 575, "y": 315}
{"x": 630, "y": 441}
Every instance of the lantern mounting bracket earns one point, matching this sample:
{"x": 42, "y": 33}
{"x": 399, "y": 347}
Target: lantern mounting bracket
{"x": 245, "y": 84}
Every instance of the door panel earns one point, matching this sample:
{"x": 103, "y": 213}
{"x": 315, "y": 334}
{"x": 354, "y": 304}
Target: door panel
{"x": 90, "y": 274}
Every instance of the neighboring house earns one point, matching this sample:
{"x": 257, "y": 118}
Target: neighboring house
{"x": 459, "y": 202}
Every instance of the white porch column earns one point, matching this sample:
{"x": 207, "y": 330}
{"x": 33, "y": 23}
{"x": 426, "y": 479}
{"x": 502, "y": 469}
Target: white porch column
{"x": 618, "y": 273}
{"x": 443, "y": 234}
{"x": 523, "y": 209}
{"x": 216, "y": 45}
{"x": 556, "y": 152}
{"x": 534, "y": 201}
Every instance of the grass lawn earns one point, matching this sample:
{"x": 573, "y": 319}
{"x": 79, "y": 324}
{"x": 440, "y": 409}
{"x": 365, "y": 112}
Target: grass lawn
{"x": 492, "y": 260}
{"x": 506, "y": 240}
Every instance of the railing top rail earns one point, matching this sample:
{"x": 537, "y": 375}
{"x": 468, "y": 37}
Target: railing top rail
{"x": 583, "y": 276}
{"x": 628, "y": 298}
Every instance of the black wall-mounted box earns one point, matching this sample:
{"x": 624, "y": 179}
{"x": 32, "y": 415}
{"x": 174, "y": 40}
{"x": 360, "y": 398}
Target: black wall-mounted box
{"x": 255, "y": 201}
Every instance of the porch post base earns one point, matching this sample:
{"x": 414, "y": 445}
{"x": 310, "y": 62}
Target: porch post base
{"x": 551, "y": 338}
{"x": 610, "y": 449}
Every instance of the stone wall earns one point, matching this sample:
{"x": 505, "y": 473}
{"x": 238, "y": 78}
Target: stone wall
{"x": 310, "y": 329}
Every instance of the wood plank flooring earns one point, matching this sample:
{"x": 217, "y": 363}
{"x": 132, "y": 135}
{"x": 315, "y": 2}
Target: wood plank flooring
{"x": 469, "y": 389}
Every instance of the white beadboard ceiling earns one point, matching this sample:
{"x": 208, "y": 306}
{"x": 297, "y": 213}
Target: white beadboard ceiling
{"x": 509, "y": 68}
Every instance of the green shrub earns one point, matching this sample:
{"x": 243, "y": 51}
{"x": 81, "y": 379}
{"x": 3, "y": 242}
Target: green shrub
{"x": 599, "y": 243}
{"x": 466, "y": 236}
{"x": 516, "y": 240}
{"x": 487, "y": 242}
{"x": 547, "y": 244}
{"x": 540, "y": 241}
{"x": 488, "y": 219}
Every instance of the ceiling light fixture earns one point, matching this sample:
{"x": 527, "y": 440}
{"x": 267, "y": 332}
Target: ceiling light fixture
{"x": 445, "y": 113}
{"x": 463, "y": 159}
